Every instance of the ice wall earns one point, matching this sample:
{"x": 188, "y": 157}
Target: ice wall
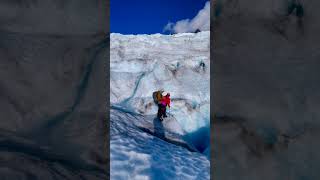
{"x": 266, "y": 89}
{"x": 142, "y": 64}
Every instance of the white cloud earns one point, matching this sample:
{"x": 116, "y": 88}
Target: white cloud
{"x": 168, "y": 27}
{"x": 201, "y": 21}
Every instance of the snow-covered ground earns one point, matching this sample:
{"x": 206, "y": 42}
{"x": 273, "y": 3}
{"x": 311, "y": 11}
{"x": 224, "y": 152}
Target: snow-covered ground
{"x": 136, "y": 154}
{"x": 140, "y": 65}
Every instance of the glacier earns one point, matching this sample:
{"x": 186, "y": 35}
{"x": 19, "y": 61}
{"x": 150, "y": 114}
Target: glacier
{"x": 141, "y": 147}
{"x": 266, "y": 90}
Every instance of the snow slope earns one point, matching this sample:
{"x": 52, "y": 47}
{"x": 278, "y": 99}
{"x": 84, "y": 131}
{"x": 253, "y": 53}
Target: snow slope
{"x": 141, "y": 147}
{"x": 136, "y": 154}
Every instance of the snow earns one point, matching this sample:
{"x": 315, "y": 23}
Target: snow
{"x": 141, "y": 147}
{"x": 137, "y": 155}
{"x": 179, "y": 64}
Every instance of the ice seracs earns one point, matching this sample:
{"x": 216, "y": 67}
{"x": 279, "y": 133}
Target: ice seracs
{"x": 180, "y": 63}
{"x": 140, "y": 65}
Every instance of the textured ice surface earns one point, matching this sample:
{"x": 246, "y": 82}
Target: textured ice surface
{"x": 52, "y": 107}
{"x": 179, "y": 64}
{"x": 266, "y": 90}
{"x": 136, "y": 154}
{"x": 141, "y": 147}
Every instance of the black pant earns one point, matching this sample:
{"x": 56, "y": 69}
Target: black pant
{"x": 162, "y": 111}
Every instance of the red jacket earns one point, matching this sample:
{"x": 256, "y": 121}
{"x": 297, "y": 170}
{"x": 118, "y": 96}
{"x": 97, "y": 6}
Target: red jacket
{"x": 165, "y": 101}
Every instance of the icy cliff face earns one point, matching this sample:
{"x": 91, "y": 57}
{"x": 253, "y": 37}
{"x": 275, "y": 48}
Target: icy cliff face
{"x": 142, "y": 147}
{"x": 179, "y": 64}
{"x": 266, "y": 90}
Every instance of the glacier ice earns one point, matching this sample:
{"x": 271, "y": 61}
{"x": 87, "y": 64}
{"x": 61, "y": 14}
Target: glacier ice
{"x": 136, "y": 154}
{"x": 179, "y": 64}
{"x": 140, "y": 65}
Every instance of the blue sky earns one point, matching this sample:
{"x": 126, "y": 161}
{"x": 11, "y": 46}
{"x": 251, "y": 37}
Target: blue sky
{"x": 150, "y": 16}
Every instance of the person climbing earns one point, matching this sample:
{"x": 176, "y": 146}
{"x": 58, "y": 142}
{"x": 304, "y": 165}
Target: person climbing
{"x": 165, "y": 102}
{"x": 162, "y": 99}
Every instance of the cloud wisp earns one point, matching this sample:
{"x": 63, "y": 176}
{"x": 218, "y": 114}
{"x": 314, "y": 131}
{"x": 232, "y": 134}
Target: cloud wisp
{"x": 201, "y": 21}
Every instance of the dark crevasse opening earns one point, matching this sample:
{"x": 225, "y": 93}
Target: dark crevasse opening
{"x": 200, "y": 138}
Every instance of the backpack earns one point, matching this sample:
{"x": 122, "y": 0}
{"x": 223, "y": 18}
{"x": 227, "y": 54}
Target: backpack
{"x": 157, "y": 96}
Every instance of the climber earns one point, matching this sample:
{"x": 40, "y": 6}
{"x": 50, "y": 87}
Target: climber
{"x": 162, "y": 99}
{"x": 165, "y": 102}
